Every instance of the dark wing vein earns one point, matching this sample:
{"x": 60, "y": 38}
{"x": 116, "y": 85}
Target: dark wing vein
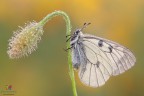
{"x": 90, "y": 74}
{"x": 115, "y": 62}
{"x": 119, "y": 60}
{"x": 96, "y": 75}
{"x": 123, "y": 59}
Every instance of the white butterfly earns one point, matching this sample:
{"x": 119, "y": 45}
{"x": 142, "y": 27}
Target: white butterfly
{"x": 97, "y": 59}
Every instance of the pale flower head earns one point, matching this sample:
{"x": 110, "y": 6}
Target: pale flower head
{"x": 24, "y": 41}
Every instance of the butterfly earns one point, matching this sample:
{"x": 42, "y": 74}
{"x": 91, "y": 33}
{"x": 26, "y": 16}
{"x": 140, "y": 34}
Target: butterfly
{"x": 96, "y": 59}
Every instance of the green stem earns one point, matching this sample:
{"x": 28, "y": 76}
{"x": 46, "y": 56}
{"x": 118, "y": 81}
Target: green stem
{"x": 68, "y": 32}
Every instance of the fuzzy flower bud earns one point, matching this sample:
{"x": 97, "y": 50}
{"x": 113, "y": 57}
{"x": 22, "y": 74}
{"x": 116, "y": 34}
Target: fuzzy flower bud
{"x": 24, "y": 41}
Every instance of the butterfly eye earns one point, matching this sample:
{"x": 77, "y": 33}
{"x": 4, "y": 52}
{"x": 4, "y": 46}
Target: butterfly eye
{"x": 77, "y": 32}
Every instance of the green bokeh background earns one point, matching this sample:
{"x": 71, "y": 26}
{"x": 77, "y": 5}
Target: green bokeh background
{"x": 45, "y": 72}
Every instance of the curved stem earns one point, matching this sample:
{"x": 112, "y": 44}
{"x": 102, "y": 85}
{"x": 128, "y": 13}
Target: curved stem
{"x": 68, "y": 32}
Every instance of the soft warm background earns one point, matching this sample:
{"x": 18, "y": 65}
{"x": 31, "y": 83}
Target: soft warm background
{"x": 45, "y": 72}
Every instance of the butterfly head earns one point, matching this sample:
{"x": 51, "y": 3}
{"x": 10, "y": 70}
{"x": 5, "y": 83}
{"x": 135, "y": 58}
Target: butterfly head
{"x": 78, "y": 33}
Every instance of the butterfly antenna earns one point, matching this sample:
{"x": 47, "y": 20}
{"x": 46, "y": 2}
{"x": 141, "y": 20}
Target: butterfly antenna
{"x": 85, "y": 25}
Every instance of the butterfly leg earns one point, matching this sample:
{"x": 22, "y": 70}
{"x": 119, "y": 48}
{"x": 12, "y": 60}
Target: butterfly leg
{"x": 68, "y": 48}
{"x": 68, "y": 39}
{"x": 67, "y": 36}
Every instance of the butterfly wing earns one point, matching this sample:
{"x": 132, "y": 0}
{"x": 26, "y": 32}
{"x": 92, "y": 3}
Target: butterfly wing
{"x": 104, "y": 58}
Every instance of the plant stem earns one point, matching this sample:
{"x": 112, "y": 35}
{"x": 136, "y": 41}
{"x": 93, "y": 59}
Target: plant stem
{"x": 68, "y": 32}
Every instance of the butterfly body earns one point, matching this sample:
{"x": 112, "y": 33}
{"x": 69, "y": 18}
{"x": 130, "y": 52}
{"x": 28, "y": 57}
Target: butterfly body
{"x": 78, "y": 56}
{"x": 97, "y": 58}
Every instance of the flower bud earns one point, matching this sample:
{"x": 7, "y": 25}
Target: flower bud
{"x": 24, "y": 41}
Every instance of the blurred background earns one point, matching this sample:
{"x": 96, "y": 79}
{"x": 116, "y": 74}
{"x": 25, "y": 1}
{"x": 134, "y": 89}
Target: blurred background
{"x": 45, "y": 72}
